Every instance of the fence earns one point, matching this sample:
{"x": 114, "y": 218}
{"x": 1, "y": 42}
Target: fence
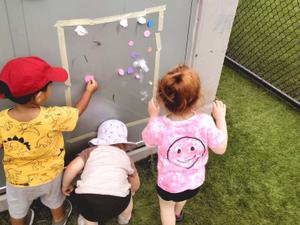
{"x": 265, "y": 42}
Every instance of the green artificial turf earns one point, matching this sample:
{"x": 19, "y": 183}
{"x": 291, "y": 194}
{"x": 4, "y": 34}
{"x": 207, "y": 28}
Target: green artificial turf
{"x": 256, "y": 182}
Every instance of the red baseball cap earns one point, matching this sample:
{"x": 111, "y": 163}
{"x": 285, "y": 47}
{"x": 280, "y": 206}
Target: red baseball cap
{"x": 26, "y": 75}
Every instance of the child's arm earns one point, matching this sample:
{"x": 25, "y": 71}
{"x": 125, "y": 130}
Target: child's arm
{"x": 219, "y": 112}
{"x": 134, "y": 179}
{"x": 70, "y": 173}
{"x": 150, "y": 133}
{"x": 83, "y": 102}
{"x": 153, "y": 108}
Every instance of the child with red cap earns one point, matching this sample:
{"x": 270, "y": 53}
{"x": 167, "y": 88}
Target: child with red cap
{"x": 32, "y": 140}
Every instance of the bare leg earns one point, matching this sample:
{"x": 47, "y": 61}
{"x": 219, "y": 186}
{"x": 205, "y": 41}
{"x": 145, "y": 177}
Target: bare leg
{"x": 58, "y": 214}
{"x": 87, "y": 222}
{"x": 82, "y": 221}
{"x": 178, "y": 207}
{"x": 125, "y": 216}
{"x": 167, "y": 212}
{"x": 17, "y": 221}
{"x": 28, "y": 219}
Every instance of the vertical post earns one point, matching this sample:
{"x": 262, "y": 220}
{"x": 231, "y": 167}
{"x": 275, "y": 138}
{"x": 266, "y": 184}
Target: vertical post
{"x": 210, "y": 39}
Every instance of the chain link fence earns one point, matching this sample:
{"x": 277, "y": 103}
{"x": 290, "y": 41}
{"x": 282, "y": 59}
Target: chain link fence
{"x": 265, "y": 42}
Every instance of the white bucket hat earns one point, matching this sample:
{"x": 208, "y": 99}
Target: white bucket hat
{"x": 112, "y": 132}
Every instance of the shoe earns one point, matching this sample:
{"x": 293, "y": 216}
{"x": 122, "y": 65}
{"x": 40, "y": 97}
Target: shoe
{"x": 68, "y": 209}
{"x": 29, "y": 217}
{"x": 180, "y": 217}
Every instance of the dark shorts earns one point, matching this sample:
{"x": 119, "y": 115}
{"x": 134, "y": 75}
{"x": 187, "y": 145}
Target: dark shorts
{"x": 176, "y": 197}
{"x": 96, "y": 208}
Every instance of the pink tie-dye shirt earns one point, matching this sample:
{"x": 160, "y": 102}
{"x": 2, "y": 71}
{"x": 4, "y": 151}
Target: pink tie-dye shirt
{"x": 182, "y": 149}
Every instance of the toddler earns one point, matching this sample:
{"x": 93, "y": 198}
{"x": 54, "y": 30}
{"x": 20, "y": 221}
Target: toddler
{"x": 32, "y": 140}
{"x": 182, "y": 137}
{"x": 108, "y": 179}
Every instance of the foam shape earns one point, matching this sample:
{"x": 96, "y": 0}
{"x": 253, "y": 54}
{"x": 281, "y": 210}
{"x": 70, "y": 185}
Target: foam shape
{"x": 150, "y": 83}
{"x": 141, "y": 64}
{"x": 141, "y": 20}
{"x": 130, "y": 70}
{"x": 130, "y": 43}
{"x": 88, "y": 78}
{"x": 134, "y": 55}
{"x": 124, "y": 23}
{"x": 81, "y": 31}
{"x": 149, "y": 49}
{"x": 137, "y": 76}
{"x": 121, "y": 72}
{"x": 147, "y": 33}
{"x": 150, "y": 23}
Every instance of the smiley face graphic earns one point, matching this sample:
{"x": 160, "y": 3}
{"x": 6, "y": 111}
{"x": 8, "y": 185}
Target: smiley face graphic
{"x": 186, "y": 151}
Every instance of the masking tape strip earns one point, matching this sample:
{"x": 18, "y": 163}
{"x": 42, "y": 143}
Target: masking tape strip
{"x": 131, "y": 124}
{"x": 157, "y": 62}
{"x": 156, "y": 72}
{"x": 63, "y": 53}
{"x": 155, "y": 9}
{"x": 82, "y": 137}
{"x": 158, "y": 41}
{"x": 161, "y": 20}
{"x": 68, "y": 96}
{"x": 109, "y": 19}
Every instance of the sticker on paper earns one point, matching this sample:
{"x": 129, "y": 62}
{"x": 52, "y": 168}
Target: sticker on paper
{"x": 147, "y": 33}
{"x": 130, "y": 70}
{"x": 124, "y": 23}
{"x": 141, "y": 20}
{"x": 121, "y": 72}
{"x": 130, "y": 43}
{"x": 88, "y": 78}
{"x": 150, "y": 23}
{"x": 141, "y": 64}
{"x": 81, "y": 31}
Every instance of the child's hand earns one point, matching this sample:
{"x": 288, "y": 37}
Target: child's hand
{"x": 91, "y": 86}
{"x": 66, "y": 190}
{"x": 218, "y": 110}
{"x": 153, "y": 108}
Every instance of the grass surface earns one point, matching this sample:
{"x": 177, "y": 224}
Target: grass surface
{"x": 255, "y": 182}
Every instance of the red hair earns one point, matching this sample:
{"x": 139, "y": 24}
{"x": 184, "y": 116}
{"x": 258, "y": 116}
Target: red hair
{"x": 179, "y": 89}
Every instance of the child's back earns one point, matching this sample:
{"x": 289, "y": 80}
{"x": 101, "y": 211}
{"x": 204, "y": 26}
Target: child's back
{"x": 105, "y": 172}
{"x": 32, "y": 140}
{"x": 108, "y": 178}
{"x": 182, "y": 137}
{"x": 182, "y": 149}
{"x": 34, "y": 150}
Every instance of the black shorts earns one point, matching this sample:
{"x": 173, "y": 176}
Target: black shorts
{"x": 176, "y": 197}
{"x": 96, "y": 208}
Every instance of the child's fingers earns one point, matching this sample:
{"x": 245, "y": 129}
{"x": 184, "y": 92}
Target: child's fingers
{"x": 93, "y": 82}
{"x": 152, "y": 103}
{"x": 219, "y": 103}
{"x": 92, "y": 85}
{"x": 214, "y": 104}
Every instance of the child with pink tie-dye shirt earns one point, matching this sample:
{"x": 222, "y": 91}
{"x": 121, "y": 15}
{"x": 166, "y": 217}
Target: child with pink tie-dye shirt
{"x": 182, "y": 137}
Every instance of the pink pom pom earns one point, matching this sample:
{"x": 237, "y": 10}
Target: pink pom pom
{"x": 88, "y": 78}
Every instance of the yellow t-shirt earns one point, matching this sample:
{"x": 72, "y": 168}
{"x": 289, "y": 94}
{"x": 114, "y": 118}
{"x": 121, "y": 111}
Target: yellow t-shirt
{"x": 34, "y": 150}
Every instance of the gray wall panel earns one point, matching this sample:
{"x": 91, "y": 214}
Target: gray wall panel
{"x": 6, "y": 46}
{"x": 31, "y": 25}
